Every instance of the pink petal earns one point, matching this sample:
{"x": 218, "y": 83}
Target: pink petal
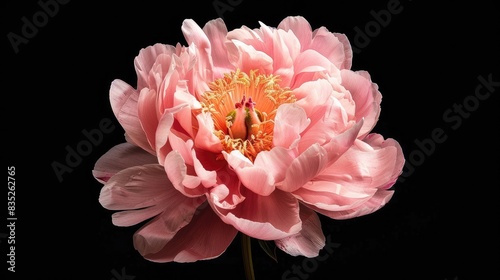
{"x": 155, "y": 234}
{"x": 313, "y": 94}
{"x": 300, "y": 27}
{"x": 166, "y": 132}
{"x": 182, "y": 144}
{"x": 264, "y": 217}
{"x": 255, "y": 178}
{"x": 339, "y": 144}
{"x": 218, "y": 194}
{"x": 187, "y": 103}
{"x": 147, "y": 111}
{"x": 226, "y": 195}
{"x": 332, "y": 196}
{"x": 303, "y": 168}
{"x": 327, "y": 44}
{"x": 290, "y": 121}
{"x": 216, "y": 31}
{"x": 334, "y": 46}
{"x": 182, "y": 177}
{"x": 167, "y": 82}
{"x": 355, "y": 179}
{"x": 135, "y": 187}
{"x": 205, "y": 138}
{"x": 247, "y": 58}
{"x": 364, "y": 165}
{"x": 145, "y": 59}
{"x": 161, "y": 136}
{"x": 376, "y": 202}
{"x": 132, "y": 217}
{"x": 328, "y": 117}
{"x": 312, "y": 61}
{"x": 162, "y": 76}
{"x": 124, "y": 101}
{"x": 245, "y": 35}
{"x": 208, "y": 178}
{"x": 275, "y": 161}
{"x": 197, "y": 38}
{"x": 194, "y": 34}
{"x": 285, "y": 48}
{"x": 311, "y": 65}
{"x": 205, "y": 237}
{"x": 378, "y": 141}
{"x": 119, "y": 157}
{"x": 235, "y": 159}
{"x": 199, "y": 72}
{"x": 347, "y": 51}
{"x": 309, "y": 241}
{"x": 366, "y": 96}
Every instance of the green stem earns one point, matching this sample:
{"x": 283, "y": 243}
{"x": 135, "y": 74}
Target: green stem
{"x": 246, "y": 250}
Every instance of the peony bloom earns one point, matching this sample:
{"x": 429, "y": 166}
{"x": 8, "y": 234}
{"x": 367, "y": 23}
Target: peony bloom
{"x": 250, "y": 130}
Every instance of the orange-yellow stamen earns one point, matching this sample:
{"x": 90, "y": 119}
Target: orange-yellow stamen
{"x": 243, "y": 107}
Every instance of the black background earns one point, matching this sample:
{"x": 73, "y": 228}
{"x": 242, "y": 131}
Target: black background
{"x": 442, "y": 222}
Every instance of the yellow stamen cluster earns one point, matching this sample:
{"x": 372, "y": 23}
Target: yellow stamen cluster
{"x": 228, "y": 94}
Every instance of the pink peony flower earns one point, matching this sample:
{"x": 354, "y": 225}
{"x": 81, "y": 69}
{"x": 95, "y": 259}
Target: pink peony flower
{"x": 250, "y": 130}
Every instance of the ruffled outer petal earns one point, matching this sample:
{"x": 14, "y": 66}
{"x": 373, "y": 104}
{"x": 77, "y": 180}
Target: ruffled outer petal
{"x": 271, "y": 217}
{"x": 327, "y": 115}
{"x": 347, "y": 50}
{"x": 135, "y": 187}
{"x": 145, "y": 60}
{"x": 300, "y": 27}
{"x": 144, "y": 192}
{"x": 377, "y": 141}
{"x": 212, "y": 40}
{"x": 356, "y": 183}
{"x": 377, "y": 201}
{"x": 247, "y": 58}
{"x": 366, "y": 97}
{"x": 285, "y": 48}
{"x": 119, "y": 157}
{"x": 216, "y": 32}
{"x": 309, "y": 241}
{"x": 334, "y": 46}
{"x": 124, "y": 102}
{"x": 327, "y": 44}
{"x": 311, "y": 65}
{"x": 205, "y": 237}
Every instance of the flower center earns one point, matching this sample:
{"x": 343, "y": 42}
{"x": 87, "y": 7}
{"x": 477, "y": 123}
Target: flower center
{"x": 243, "y": 107}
